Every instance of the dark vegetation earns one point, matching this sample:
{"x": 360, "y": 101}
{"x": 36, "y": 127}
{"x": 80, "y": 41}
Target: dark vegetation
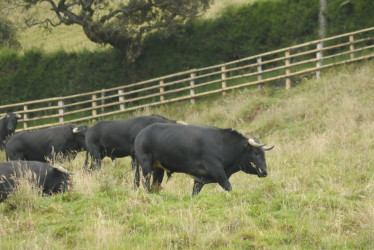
{"x": 238, "y": 32}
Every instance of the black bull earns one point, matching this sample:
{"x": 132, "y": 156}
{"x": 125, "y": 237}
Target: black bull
{"x": 44, "y": 144}
{"x": 115, "y": 139}
{"x": 208, "y": 154}
{"x": 49, "y": 179}
{"x": 8, "y": 125}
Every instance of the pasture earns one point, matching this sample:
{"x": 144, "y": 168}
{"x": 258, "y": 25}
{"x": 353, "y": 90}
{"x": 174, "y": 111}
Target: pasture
{"x": 319, "y": 192}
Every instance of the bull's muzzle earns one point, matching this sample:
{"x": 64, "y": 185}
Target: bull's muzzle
{"x": 260, "y": 172}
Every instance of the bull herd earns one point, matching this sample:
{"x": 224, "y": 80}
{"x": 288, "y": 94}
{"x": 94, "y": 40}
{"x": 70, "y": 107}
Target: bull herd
{"x": 154, "y": 143}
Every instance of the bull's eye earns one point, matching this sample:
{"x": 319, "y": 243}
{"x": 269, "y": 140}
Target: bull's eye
{"x": 253, "y": 165}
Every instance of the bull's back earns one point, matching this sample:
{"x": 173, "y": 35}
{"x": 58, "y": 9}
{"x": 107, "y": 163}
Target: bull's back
{"x": 27, "y": 145}
{"x": 116, "y": 133}
{"x": 176, "y": 147}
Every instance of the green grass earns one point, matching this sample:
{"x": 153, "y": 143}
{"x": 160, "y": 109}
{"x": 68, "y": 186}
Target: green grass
{"x": 319, "y": 192}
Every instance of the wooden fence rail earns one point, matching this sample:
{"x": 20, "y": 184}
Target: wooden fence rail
{"x": 279, "y": 66}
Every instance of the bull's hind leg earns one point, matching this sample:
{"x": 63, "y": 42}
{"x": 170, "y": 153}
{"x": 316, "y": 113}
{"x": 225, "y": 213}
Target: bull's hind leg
{"x": 146, "y": 164}
{"x": 95, "y": 158}
{"x": 158, "y": 176}
{"x": 85, "y": 161}
{"x": 197, "y": 186}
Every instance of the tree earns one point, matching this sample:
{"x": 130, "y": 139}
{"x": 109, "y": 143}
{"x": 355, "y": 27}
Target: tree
{"x": 8, "y": 35}
{"x": 120, "y": 23}
{"x": 322, "y": 18}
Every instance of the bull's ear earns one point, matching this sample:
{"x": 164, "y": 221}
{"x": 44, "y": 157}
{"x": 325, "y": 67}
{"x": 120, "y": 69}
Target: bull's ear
{"x": 18, "y": 116}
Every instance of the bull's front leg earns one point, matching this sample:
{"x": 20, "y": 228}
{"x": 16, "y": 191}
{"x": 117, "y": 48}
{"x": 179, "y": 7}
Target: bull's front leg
{"x": 220, "y": 177}
{"x": 225, "y": 184}
{"x": 137, "y": 176}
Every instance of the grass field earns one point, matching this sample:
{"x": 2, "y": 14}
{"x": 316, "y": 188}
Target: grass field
{"x": 319, "y": 192}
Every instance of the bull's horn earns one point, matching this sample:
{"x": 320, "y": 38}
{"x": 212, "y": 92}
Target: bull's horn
{"x": 18, "y": 116}
{"x": 63, "y": 170}
{"x": 268, "y": 148}
{"x": 182, "y": 123}
{"x": 255, "y": 144}
{"x": 75, "y": 130}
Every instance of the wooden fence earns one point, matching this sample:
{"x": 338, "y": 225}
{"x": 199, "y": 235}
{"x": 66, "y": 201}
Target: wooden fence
{"x": 282, "y": 66}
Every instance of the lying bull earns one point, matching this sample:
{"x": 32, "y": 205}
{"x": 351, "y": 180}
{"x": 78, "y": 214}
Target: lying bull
{"x": 8, "y": 125}
{"x": 44, "y": 144}
{"x": 50, "y": 179}
{"x": 208, "y": 154}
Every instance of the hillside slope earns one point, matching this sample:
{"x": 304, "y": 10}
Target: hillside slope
{"x": 319, "y": 192}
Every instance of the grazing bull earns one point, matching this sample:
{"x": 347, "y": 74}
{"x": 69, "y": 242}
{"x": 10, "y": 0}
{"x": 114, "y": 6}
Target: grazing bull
{"x": 8, "y": 125}
{"x": 44, "y": 144}
{"x": 50, "y": 179}
{"x": 208, "y": 154}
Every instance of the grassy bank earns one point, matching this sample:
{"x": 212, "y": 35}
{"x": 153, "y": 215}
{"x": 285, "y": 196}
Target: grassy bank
{"x": 319, "y": 192}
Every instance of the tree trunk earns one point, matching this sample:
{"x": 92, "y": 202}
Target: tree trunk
{"x": 322, "y": 18}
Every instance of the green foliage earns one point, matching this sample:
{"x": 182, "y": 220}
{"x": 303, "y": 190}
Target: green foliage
{"x": 238, "y": 32}
{"x": 8, "y": 35}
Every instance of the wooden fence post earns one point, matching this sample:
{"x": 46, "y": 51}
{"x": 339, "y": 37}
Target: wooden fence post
{"x": 288, "y": 71}
{"x": 25, "y": 116}
{"x": 61, "y": 111}
{"x": 351, "y": 46}
{"x": 102, "y": 100}
{"x": 121, "y": 99}
{"x": 223, "y": 78}
{"x": 259, "y": 70}
{"x": 192, "y": 84}
{"x": 94, "y": 104}
{"x": 319, "y": 61}
{"x": 162, "y": 97}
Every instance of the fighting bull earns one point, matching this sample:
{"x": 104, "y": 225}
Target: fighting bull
{"x": 45, "y": 144}
{"x": 115, "y": 139}
{"x": 50, "y": 179}
{"x": 208, "y": 154}
{"x": 8, "y": 125}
